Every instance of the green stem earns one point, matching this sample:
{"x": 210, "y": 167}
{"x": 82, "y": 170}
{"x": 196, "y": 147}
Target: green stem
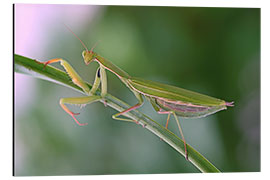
{"x": 32, "y": 67}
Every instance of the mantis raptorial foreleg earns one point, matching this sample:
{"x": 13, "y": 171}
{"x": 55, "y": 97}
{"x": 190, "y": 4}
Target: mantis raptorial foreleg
{"x": 103, "y": 77}
{"x": 77, "y": 101}
{"x": 96, "y": 82}
{"x": 76, "y": 79}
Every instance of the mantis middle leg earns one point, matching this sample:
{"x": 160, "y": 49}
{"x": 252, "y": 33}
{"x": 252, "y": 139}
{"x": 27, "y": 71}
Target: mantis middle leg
{"x": 140, "y": 99}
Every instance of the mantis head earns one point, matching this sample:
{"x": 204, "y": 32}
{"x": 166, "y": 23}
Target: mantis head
{"x": 88, "y": 56}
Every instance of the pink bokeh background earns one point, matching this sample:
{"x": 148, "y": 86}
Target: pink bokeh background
{"x": 32, "y": 24}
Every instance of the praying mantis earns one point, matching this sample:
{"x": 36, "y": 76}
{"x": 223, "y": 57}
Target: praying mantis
{"x": 165, "y": 99}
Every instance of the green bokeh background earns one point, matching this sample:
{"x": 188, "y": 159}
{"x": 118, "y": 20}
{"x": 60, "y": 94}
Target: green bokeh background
{"x": 214, "y": 51}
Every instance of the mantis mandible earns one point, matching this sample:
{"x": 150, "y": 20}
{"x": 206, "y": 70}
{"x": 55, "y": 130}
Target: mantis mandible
{"x": 165, "y": 99}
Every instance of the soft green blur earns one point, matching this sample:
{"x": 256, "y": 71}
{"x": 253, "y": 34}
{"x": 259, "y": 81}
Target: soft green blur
{"x": 213, "y": 51}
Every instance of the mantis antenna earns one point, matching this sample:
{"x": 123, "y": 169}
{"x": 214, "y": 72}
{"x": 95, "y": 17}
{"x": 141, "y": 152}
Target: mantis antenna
{"x": 94, "y": 46}
{"x": 77, "y": 38}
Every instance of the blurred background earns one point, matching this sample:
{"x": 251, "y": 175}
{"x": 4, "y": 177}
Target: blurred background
{"x": 214, "y": 51}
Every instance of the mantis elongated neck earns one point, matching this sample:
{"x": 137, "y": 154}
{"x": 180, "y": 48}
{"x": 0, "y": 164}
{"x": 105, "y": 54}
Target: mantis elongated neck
{"x": 111, "y": 67}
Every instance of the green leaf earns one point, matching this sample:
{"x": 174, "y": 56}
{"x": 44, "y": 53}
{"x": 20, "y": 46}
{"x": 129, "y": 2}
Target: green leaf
{"x": 34, "y": 68}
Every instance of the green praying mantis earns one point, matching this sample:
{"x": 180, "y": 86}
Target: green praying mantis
{"x": 165, "y": 99}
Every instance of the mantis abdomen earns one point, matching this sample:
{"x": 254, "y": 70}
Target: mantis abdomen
{"x": 187, "y": 110}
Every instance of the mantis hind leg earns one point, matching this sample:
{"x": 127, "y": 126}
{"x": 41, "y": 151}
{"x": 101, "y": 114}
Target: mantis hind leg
{"x": 179, "y": 127}
{"x": 140, "y": 99}
{"x": 77, "y": 101}
{"x": 181, "y": 132}
{"x": 160, "y": 111}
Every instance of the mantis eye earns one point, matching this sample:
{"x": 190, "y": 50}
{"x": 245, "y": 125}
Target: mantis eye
{"x": 83, "y": 54}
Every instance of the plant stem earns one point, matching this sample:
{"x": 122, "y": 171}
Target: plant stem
{"x": 34, "y": 68}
